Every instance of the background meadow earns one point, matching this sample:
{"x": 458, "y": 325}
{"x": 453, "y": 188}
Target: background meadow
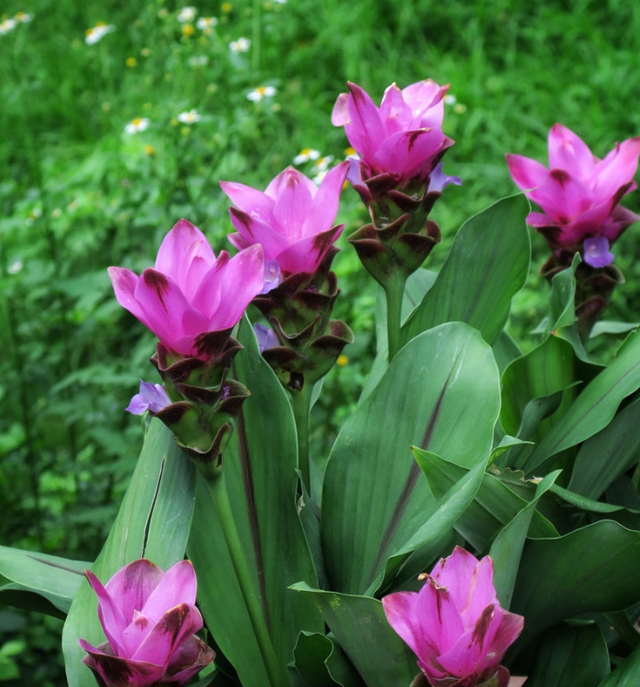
{"x": 79, "y": 192}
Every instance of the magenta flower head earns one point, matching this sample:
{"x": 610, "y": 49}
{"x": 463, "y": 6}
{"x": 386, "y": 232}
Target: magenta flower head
{"x": 149, "y": 618}
{"x": 190, "y": 293}
{"x": 579, "y": 194}
{"x": 455, "y": 624}
{"x": 292, "y": 220}
{"x": 399, "y": 143}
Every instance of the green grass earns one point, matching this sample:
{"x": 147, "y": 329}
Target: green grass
{"x": 77, "y": 194}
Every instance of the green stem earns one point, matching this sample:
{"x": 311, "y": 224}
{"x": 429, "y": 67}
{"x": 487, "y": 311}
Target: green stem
{"x": 218, "y": 489}
{"x": 394, "y": 290}
{"x": 624, "y": 628}
{"x": 301, "y": 404}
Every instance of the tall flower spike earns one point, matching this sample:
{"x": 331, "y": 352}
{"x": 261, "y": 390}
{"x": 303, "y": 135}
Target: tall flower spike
{"x": 579, "y": 195}
{"x": 190, "y": 293}
{"x": 191, "y": 300}
{"x": 292, "y": 220}
{"x": 397, "y": 172}
{"x": 455, "y": 624}
{"x": 149, "y": 618}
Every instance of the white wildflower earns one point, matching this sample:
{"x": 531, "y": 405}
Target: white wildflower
{"x": 241, "y": 45}
{"x": 7, "y": 25}
{"x": 206, "y": 23}
{"x": 187, "y": 14}
{"x": 15, "y": 267}
{"x": 189, "y": 117}
{"x": 136, "y": 125}
{"x": 98, "y": 32}
{"x": 305, "y": 155}
{"x": 258, "y": 94}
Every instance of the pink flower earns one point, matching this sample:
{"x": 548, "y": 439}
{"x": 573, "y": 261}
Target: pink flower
{"x": 402, "y": 139}
{"x": 455, "y": 624}
{"x": 149, "y": 618}
{"x": 292, "y": 219}
{"x": 579, "y": 194}
{"x": 190, "y": 293}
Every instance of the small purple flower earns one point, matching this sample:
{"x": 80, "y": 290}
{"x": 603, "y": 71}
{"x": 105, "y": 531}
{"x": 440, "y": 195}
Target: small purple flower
{"x": 272, "y": 276}
{"x": 152, "y": 397}
{"x": 438, "y": 179}
{"x": 596, "y": 252}
{"x": 266, "y": 337}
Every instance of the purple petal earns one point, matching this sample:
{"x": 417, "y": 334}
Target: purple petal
{"x": 132, "y": 585}
{"x": 176, "y": 626}
{"x": 394, "y": 112}
{"x": 188, "y": 659}
{"x": 617, "y": 169}
{"x": 525, "y": 172}
{"x": 596, "y": 252}
{"x": 293, "y": 204}
{"x": 178, "y": 585}
{"x": 325, "y": 204}
{"x": 425, "y": 98}
{"x": 438, "y": 179}
{"x": 253, "y": 230}
{"x": 405, "y": 151}
{"x": 365, "y": 131}
{"x": 569, "y": 152}
{"x": 340, "y": 114}
{"x": 306, "y": 254}
{"x": 114, "y": 671}
{"x": 152, "y": 397}
{"x": 266, "y": 337}
{"x": 185, "y": 256}
{"x": 272, "y": 276}
{"x": 111, "y": 617}
{"x": 249, "y": 200}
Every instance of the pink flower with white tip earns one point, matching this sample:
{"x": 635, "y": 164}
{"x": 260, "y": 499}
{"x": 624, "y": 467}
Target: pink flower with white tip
{"x": 190, "y": 293}
{"x": 292, "y": 220}
{"x": 579, "y": 194}
{"x": 455, "y": 624}
{"x": 399, "y": 143}
{"x": 149, "y": 618}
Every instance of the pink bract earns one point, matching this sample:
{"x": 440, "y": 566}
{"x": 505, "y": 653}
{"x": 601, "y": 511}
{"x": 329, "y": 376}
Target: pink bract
{"x": 149, "y": 618}
{"x": 402, "y": 138}
{"x": 292, "y": 220}
{"x": 455, "y": 624}
{"x": 579, "y": 193}
{"x": 190, "y": 292}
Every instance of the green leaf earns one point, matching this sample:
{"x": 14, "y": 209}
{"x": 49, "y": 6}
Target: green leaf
{"x": 153, "y": 522}
{"x": 360, "y": 626}
{"x": 506, "y": 549}
{"x": 626, "y": 674}
{"x": 374, "y": 499}
{"x": 570, "y": 655}
{"x": 488, "y": 264}
{"x": 595, "y": 406}
{"x": 54, "y": 578}
{"x": 608, "y": 454}
{"x": 260, "y": 468}
{"x": 322, "y": 663}
{"x": 594, "y": 568}
{"x": 436, "y": 530}
{"x": 611, "y": 327}
{"x": 495, "y": 504}
{"x": 545, "y": 370}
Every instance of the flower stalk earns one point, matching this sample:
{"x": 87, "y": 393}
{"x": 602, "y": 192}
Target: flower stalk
{"x": 394, "y": 291}
{"x": 301, "y": 404}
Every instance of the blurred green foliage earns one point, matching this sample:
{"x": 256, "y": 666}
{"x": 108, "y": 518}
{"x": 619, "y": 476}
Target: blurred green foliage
{"x": 78, "y": 194}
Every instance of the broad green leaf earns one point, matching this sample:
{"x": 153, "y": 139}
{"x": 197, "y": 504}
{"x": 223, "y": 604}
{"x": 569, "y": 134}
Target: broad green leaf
{"x": 594, "y": 568}
{"x": 488, "y": 264}
{"x": 153, "y": 522}
{"x": 506, "y": 548}
{"x": 608, "y": 454}
{"x": 611, "y": 327}
{"x": 570, "y": 655}
{"x": 436, "y": 530}
{"x": 260, "y": 466}
{"x": 56, "y": 579}
{"x": 322, "y": 663}
{"x": 505, "y": 350}
{"x": 495, "y": 504}
{"x": 374, "y": 497}
{"x": 360, "y": 626}
{"x": 546, "y": 370}
{"x": 627, "y": 674}
{"x": 596, "y": 405}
